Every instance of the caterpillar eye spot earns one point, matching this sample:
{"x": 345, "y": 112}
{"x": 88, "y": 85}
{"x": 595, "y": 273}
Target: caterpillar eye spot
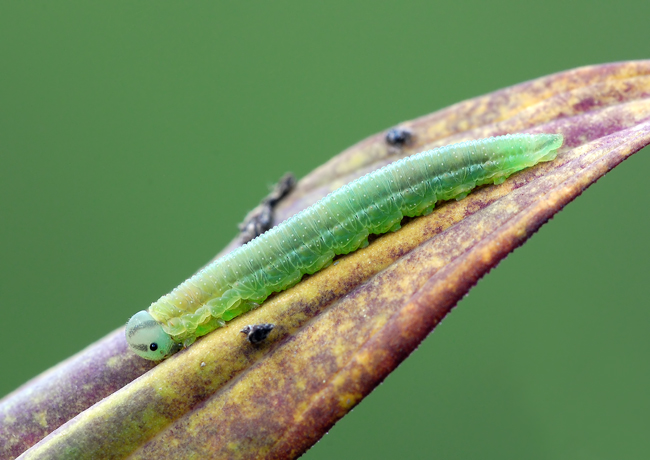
{"x": 153, "y": 346}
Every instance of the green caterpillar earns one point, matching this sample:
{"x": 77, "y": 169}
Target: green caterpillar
{"x": 338, "y": 224}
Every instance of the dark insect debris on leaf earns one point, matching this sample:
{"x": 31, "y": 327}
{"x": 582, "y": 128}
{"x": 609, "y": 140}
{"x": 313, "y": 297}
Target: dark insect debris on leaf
{"x": 257, "y": 333}
{"x": 398, "y": 137}
{"x": 260, "y": 219}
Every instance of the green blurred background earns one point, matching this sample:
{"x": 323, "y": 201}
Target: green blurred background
{"x": 135, "y": 135}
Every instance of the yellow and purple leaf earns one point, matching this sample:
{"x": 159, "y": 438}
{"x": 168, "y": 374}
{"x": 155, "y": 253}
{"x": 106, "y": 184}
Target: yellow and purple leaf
{"x": 340, "y": 332}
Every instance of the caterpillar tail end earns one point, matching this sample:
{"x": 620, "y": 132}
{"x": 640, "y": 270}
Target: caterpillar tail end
{"x": 147, "y": 338}
{"x": 552, "y": 142}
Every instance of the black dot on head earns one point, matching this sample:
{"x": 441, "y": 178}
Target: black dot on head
{"x": 153, "y": 346}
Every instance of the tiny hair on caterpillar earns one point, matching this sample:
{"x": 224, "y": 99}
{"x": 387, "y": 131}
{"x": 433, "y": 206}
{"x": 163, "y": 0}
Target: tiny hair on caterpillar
{"x": 337, "y": 224}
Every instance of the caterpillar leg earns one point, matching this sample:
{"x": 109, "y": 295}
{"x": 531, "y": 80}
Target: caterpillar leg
{"x": 189, "y": 341}
{"x": 357, "y": 241}
{"x": 214, "y": 323}
{"x": 429, "y": 210}
{"x": 243, "y": 307}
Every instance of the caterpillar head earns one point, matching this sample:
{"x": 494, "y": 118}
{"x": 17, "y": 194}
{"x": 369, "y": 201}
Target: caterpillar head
{"x": 147, "y": 338}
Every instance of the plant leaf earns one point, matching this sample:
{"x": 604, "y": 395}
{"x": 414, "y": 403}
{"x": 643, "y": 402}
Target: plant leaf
{"x": 340, "y": 332}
